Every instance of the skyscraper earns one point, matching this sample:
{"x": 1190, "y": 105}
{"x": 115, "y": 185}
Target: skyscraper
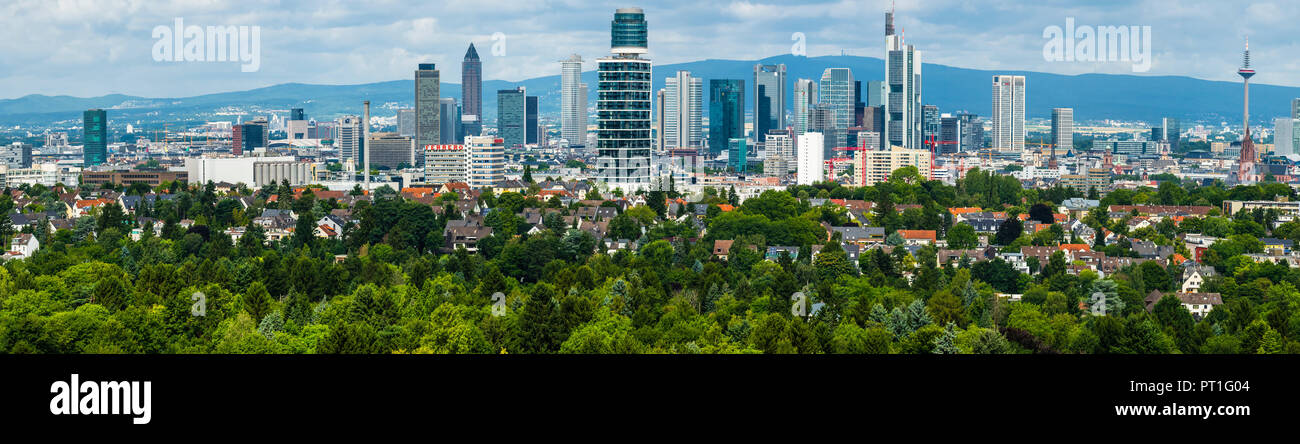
{"x": 1062, "y": 130}
{"x": 623, "y": 106}
{"x": 769, "y": 99}
{"x": 573, "y": 102}
{"x": 903, "y": 82}
{"x": 427, "y": 106}
{"x": 391, "y": 151}
{"x": 683, "y": 111}
{"x": 406, "y": 122}
{"x": 512, "y": 116}
{"x": 805, "y": 98}
{"x": 875, "y": 92}
{"x": 94, "y": 137}
{"x": 1286, "y": 136}
{"x": 737, "y": 154}
{"x": 471, "y": 92}
{"x": 1009, "y": 113}
{"x": 448, "y": 122}
{"x": 532, "y": 129}
{"x": 349, "y": 140}
{"x": 929, "y": 123}
{"x": 836, "y": 95}
{"x": 726, "y": 113}
{"x": 1295, "y": 108}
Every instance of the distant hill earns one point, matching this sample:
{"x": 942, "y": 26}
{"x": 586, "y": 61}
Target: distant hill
{"x": 1093, "y": 96}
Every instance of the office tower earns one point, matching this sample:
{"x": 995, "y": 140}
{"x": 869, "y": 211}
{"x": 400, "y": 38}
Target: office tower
{"x": 769, "y": 99}
{"x": 573, "y": 102}
{"x": 1286, "y": 136}
{"x": 428, "y": 119}
{"x": 249, "y": 136}
{"x": 1295, "y": 108}
{"x": 858, "y": 105}
{"x": 448, "y": 121}
{"x": 94, "y": 137}
{"x": 531, "y": 129}
{"x": 972, "y": 133}
{"x": 1009, "y": 113}
{"x": 471, "y": 92}
{"x": 737, "y": 154}
{"x": 406, "y": 122}
{"x": 1246, "y": 163}
{"x": 1168, "y": 131}
{"x": 660, "y": 119}
{"x": 778, "y": 153}
{"x": 56, "y": 140}
{"x": 623, "y": 108}
{"x": 297, "y": 114}
{"x": 447, "y": 163}
{"x": 873, "y": 120}
{"x": 512, "y": 116}
{"x": 811, "y": 147}
{"x": 683, "y": 111}
{"x": 929, "y": 124}
{"x": 805, "y": 98}
{"x": 1062, "y": 130}
{"x": 836, "y": 95}
{"x": 903, "y": 80}
{"x": 875, "y": 93}
{"x": 487, "y": 161}
{"x": 949, "y": 135}
{"x": 391, "y": 151}
{"x": 349, "y": 140}
{"x": 16, "y": 155}
{"x": 726, "y": 113}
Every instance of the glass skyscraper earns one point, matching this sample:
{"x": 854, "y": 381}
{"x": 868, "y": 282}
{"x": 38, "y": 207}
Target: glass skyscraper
{"x": 836, "y": 95}
{"x": 726, "y": 112}
{"x": 531, "y": 129}
{"x": 623, "y": 105}
{"x": 573, "y": 102}
{"x": 805, "y": 98}
{"x": 903, "y": 80}
{"x": 769, "y": 99}
{"x": 95, "y": 137}
{"x": 512, "y": 116}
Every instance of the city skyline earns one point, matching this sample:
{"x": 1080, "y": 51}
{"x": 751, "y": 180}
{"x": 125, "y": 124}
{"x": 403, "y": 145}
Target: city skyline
{"x": 341, "y": 46}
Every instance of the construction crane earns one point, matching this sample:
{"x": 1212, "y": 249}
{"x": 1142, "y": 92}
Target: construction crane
{"x": 931, "y": 142}
{"x": 1049, "y": 146}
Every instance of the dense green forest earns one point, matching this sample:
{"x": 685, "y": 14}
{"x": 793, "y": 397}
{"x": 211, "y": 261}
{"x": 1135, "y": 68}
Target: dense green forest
{"x": 92, "y": 289}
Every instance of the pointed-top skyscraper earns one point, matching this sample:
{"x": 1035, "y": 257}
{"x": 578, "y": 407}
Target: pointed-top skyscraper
{"x": 471, "y": 83}
{"x": 1246, "y": 165}
{"x": 903, "y": 83}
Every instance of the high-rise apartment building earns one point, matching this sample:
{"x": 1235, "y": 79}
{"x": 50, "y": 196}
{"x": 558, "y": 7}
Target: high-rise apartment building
{"x": 878, "y": 165}
{"x": 623, "y": 107}
{"x": 726, "y": 113}
{"x": 94, "y": 137}
{"x": 1008, "y": 113}
{"x": 428, "y": 106}
{"x": 512, "y": 116}
{"x": 683, "y": 111}
{"x": 778, "y": 153}
{"x": 487, "y": 160}
{"x": 903, "y": 83}
{"x": 471, "y": 92}
{"x": 573, "y": 102}
{"x": 811, "y": 147}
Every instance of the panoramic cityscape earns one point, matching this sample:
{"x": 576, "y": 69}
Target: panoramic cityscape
{"x": 861, "y": 203}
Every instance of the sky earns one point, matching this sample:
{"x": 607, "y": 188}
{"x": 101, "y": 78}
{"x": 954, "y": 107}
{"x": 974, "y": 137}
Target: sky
{"x": 88, "y": 48}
